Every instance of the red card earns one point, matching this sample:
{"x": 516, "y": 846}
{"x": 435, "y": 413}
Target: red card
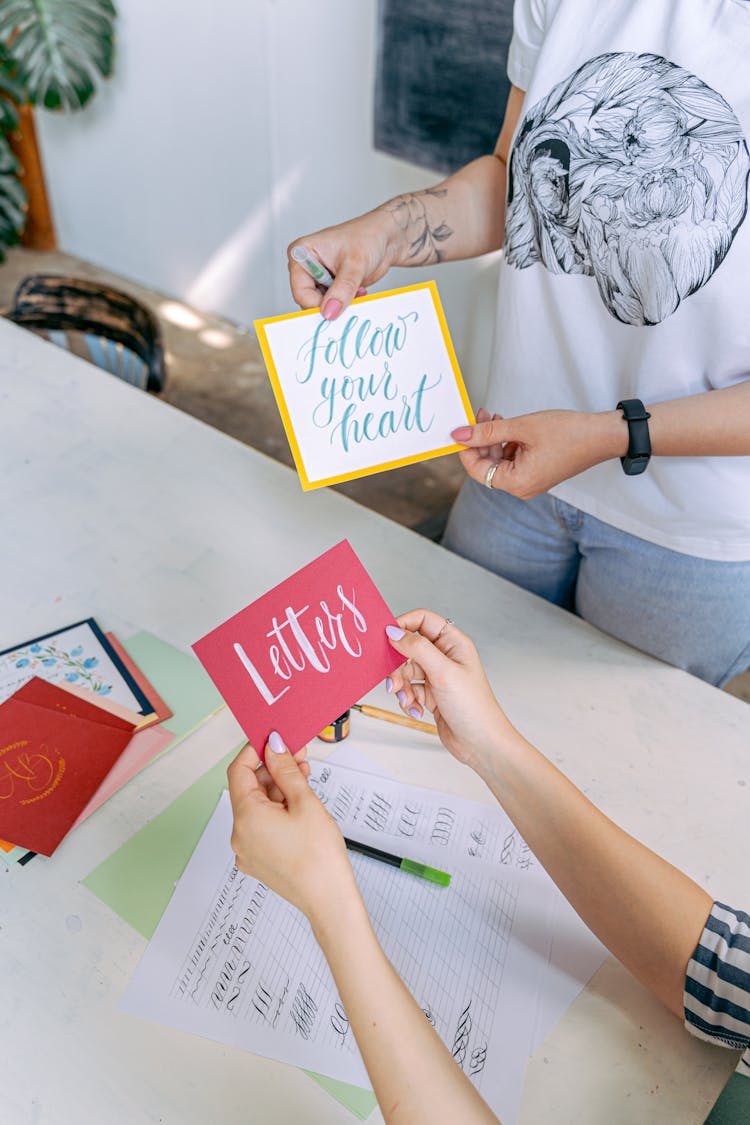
{"x": 55, "y": 750}
{"x": 298, "y": 657}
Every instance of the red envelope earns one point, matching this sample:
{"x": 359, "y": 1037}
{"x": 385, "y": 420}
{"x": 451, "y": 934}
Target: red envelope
{"x": 298, "y": 657}
{"x": 55, "y": 750}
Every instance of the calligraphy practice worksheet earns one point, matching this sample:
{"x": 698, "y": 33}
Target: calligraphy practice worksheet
{"x": 377, "y": 388}
{"x": 484, "y": 833}
{"x": 232, "y": 961}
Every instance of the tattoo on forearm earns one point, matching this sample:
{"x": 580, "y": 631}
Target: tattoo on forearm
{"x": 410, "y": 215}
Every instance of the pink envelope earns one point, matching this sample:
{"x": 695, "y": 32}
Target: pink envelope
{"x": 298, "y": 657}
{"x": 144, "y": 746}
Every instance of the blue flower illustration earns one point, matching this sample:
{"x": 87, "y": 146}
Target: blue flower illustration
{"x": 49, "y": 661}
{"x": 71, "y": 676}
{"x": 35, "y": 648}
{"x": 23, "y": 662}
{"x": 90, "y": 662}
{"x": 77, "y": 650}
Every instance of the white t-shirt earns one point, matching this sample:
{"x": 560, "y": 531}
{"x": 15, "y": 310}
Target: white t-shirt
{"x": 626, "y": 271}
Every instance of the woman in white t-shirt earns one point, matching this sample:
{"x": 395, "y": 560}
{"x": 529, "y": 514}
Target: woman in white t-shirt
{"x": 612, "y": 476}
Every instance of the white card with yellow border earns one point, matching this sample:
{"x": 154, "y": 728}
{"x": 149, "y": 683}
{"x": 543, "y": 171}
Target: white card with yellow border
{"x": 377, "y": 388}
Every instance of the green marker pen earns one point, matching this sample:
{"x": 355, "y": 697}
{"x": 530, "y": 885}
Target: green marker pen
{"x": 442, "y": 878}
{"x": 310, "y": 263}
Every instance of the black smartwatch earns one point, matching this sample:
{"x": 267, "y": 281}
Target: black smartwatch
{"x": 639, "y": 444}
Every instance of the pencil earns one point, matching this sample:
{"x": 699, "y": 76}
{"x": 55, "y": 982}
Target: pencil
{"x": 394, "y": 717}
{"x": 442, "y": 878}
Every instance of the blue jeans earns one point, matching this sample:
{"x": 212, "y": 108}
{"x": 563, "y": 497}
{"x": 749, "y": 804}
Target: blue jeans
{"x": 693, "y": 613}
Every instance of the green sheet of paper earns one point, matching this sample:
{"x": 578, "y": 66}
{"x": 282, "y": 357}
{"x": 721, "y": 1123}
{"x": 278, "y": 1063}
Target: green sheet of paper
{"x": 180, "y": 680}
{"x": 138, "y": 879}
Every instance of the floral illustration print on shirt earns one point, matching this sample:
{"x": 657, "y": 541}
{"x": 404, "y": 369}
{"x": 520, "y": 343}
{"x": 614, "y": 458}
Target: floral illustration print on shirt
{"x": 634, "y": 172}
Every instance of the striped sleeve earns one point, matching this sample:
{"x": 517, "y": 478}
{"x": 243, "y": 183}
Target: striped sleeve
{"x": 717, "y": 984}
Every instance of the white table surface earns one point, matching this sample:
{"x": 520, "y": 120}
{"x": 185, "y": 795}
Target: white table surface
{"x": 120, "y": 507}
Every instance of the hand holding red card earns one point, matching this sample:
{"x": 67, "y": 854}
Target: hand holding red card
{"x": 298, "y": 657}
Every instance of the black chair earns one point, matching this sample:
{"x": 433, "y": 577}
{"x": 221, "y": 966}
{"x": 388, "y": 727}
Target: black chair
{"x": 98, "y": 323}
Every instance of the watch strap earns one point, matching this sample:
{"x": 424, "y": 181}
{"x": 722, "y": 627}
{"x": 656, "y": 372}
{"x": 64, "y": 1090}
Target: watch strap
{"x": 639, "y": 441}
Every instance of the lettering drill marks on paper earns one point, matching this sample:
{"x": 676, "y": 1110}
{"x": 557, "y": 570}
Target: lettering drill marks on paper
{"x": 304, "y": 1011}
{"x": 235, "y": 937}
{"x": 224, "y": 989}
{"x": 378, "y": 812}
{"x": 508, "y": 849}
{"x": 407, "y": 823}
{"x": 340, "y": 1022}
{"x": 234, "y": 1001}
{"x": 262, "y": 999}
{"x": 478, "y": 1059}
{"x": 443, "y": 826}
{"x": 461, "y": 1036}
{"x": 515, "y": 852}
{"x": 222, "y": 941}
{"x": 269, "y": 997}
{"x": 206, "y": 943}
{"x": 319, "y": 786}
{"x": 342, "y": 803}
{"x": 478, "y": 836}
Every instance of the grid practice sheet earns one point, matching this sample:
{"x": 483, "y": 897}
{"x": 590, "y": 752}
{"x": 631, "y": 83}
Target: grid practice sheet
{"x": 234, "y": 962}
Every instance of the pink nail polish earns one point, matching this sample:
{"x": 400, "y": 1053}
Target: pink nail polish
{"x": 394, "y": 632}
{"x": 463, "y": 433}
{"x": 401, "y": 696}
{"x": 331, "y": 310}
{"x": 415, "y": 714}
{"x": 388, "y": 684}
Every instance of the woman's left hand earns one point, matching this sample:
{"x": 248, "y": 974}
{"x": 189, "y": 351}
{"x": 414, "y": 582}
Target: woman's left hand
{"x": 534, "y": 452}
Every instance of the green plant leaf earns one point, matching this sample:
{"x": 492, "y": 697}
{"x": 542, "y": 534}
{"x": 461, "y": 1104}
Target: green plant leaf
{"x": 12, "y": 199}
{"x": 11, "y": 92}
{"x": 59, "y": 47}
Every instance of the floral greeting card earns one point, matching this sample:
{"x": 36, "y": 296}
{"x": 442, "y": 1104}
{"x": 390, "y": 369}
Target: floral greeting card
{"x": 79, "y": 655}
{"x": 298, "y": 657}
{"x": 378, "y": 388}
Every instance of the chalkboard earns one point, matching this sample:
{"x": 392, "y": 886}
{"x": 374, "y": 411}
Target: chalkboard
{"x": 441, "y": 84}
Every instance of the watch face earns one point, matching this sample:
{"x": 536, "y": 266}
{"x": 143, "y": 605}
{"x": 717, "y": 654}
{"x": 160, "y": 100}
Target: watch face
{"x": 636, "y": 464}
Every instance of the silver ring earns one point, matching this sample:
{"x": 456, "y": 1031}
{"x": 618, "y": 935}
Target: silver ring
{"x": 446, "y": 623}
{"x": 490, "y": 474}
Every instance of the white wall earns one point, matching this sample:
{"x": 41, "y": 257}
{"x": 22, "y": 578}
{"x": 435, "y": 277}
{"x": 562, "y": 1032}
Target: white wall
{"x": 228, "y": 129}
